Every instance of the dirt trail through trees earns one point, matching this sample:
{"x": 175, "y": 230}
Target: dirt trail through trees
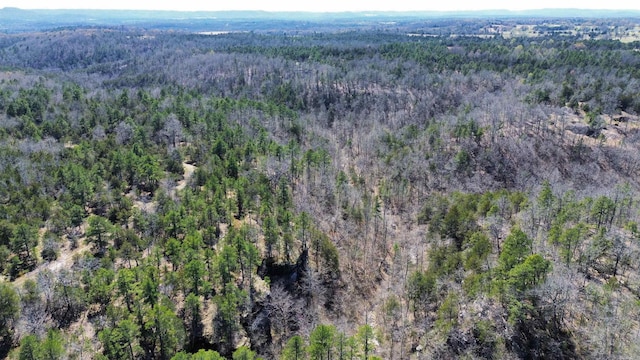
{"x": 67, "y": 255}
{"x": 64, "y": 260}
{"x": 188, "y": 173}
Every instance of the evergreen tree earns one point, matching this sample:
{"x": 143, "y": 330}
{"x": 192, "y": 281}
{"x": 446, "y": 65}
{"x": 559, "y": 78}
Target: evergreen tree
{"x": 321, "y": 342}
{"x": 29, "y": 348}
{"x": 23, "y": 242}
{"x": 294, "y": 349}
{"x": 98, "y": 233}
{"x": 516, "y": 247}
{"x": 52, "y": 347}
{"x": 9, "y": 311}
{"x": 244, "y": 353}
{"x": 164, "y": 332}
{"x": 193, "y": 318}
{"x": 226, "y": 320}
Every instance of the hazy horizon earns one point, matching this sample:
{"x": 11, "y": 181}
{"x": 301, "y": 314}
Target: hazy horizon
{"x": 325, "y": 6}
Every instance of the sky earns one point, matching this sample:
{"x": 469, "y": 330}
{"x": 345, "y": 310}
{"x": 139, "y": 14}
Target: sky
{"x": 321, "y": 5}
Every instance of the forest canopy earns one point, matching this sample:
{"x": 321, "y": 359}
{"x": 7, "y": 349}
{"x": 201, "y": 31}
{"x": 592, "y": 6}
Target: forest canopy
{"x": 444, "y": 188}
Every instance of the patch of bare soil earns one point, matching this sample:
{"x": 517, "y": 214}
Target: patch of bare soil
{"x": 64, "y": 260}
{"x": 143, "y": 202}
{"x": 146, "y": 204}
{"x": 188, "y": 173}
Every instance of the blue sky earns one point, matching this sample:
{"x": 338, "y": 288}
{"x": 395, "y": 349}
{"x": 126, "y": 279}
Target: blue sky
{"x": 323, "y": 5}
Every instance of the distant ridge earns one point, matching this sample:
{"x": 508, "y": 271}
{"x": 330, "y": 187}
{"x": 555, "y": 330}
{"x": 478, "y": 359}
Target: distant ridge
{"x": 19, "y": 20}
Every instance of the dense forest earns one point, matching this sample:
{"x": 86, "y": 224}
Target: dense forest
{"x": 366, "y": 194}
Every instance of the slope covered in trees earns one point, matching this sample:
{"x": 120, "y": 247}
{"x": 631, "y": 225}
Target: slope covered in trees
{"x": 365, "y": 194}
